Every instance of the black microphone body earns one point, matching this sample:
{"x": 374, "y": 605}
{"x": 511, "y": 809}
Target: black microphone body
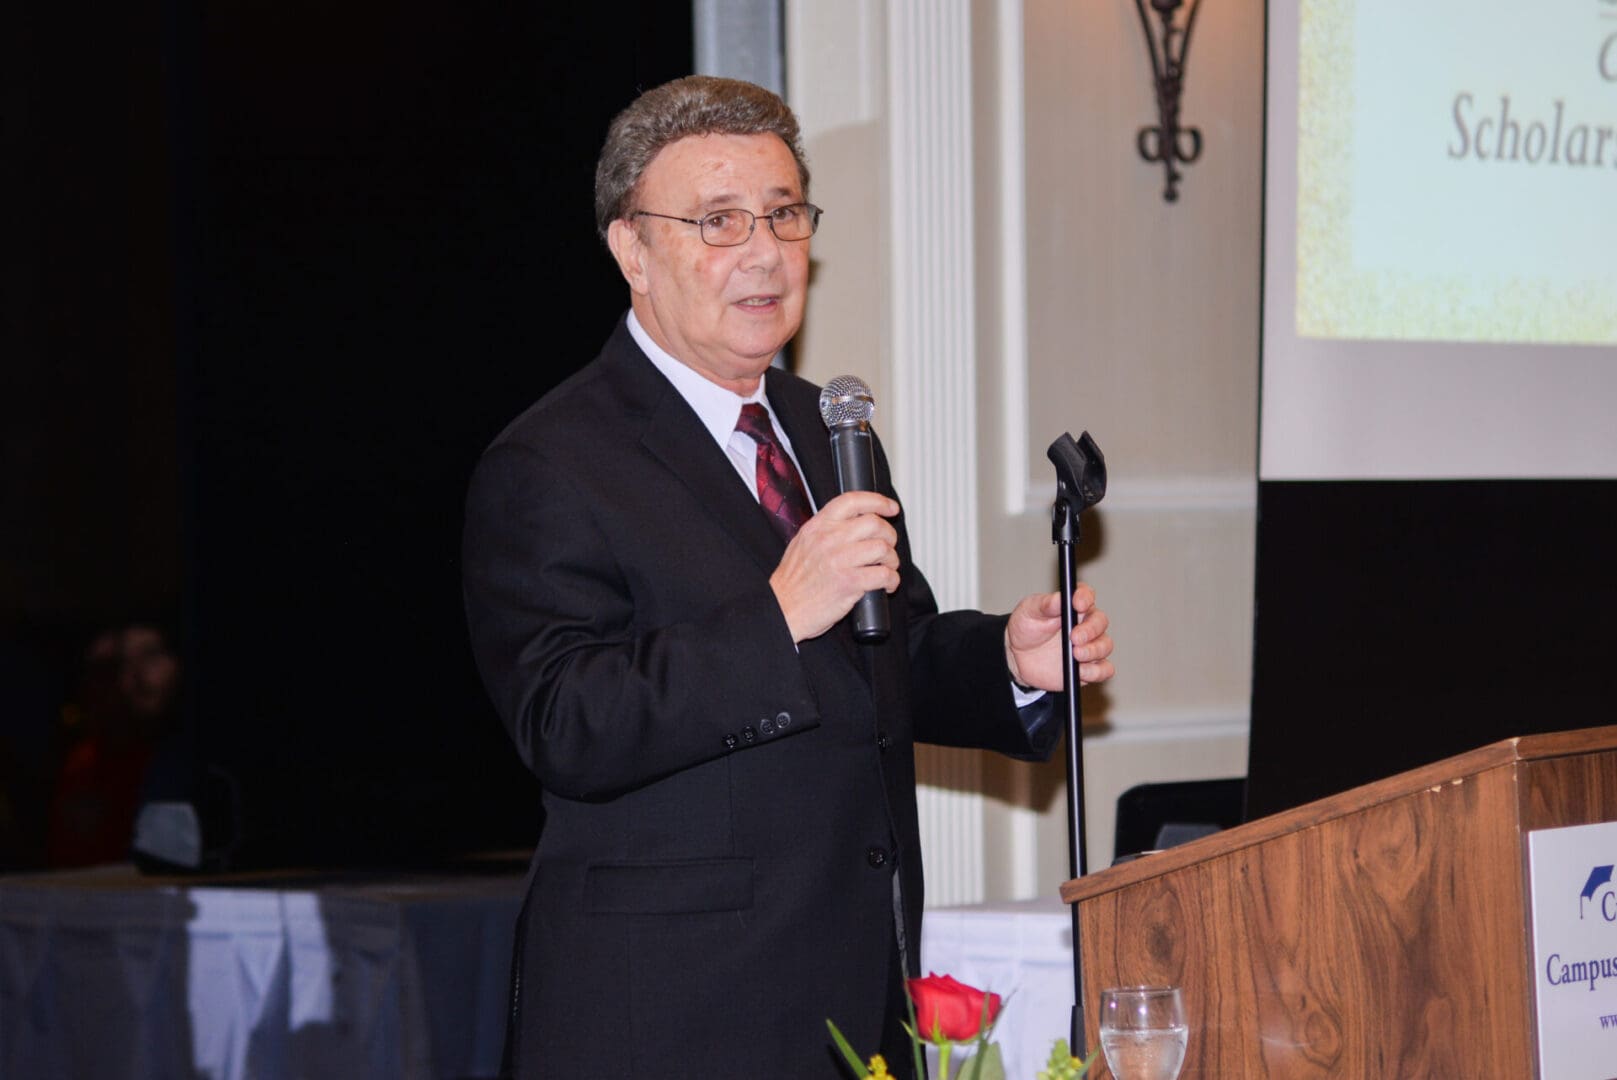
{"x": 854, "y": 451}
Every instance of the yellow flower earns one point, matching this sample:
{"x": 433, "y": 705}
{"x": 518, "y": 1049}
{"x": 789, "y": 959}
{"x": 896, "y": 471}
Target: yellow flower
{"x": 878, "y": 1068}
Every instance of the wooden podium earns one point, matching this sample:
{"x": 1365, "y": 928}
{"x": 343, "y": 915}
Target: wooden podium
{"x": 1383, "y": 932}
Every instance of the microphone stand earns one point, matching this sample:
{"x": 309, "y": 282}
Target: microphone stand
{"x": 1080, "y": 484}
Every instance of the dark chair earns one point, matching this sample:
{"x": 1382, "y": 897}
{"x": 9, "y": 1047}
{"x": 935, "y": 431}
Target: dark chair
{"x": 1151, "y": 817}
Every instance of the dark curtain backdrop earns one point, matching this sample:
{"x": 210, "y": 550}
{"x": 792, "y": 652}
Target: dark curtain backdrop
{"x": 284, "y": 269}
{"x": 1402, "y": 622}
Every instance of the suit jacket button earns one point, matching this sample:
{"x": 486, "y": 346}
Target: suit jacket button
{"x": 766, "y": 726}
{"x": 748, "y": 734}
{"x": 783, "y": 720}
{"x": 731, "y": 742}
{"x": 883, "y": 741}
{"x": 876, "y": 857}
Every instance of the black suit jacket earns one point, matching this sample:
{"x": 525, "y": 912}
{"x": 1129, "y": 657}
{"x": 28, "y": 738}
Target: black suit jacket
{"x": 724, "y": 812}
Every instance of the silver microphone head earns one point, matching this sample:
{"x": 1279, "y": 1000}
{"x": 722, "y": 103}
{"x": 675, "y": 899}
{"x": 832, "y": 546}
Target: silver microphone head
{"x": 846, "y": 400}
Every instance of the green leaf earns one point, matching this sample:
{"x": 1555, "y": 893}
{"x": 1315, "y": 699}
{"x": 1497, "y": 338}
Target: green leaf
{"x": 854, "y": 1061}
{"x": 911, "y": 1027}
{"x": 985, "y": 1064}
{"x": 983, "y": 1024}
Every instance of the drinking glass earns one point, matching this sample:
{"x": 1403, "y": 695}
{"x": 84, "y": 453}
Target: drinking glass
{"x": 1143, "y": 1031}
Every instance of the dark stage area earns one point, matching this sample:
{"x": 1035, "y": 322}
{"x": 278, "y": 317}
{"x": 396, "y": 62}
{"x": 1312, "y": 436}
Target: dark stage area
{"x": 282, "y": 271}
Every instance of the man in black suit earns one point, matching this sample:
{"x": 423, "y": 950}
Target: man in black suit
{"x": 729, "y": 853}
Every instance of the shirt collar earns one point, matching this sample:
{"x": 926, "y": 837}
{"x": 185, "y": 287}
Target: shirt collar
{"x": 716, "y": 407}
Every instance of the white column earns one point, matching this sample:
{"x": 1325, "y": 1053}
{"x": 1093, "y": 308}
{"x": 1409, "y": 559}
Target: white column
{"x": 934, "y": 375}
{"x": 1021, "y": 822}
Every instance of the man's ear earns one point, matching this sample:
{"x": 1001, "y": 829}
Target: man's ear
{"x": 630, "y": 251}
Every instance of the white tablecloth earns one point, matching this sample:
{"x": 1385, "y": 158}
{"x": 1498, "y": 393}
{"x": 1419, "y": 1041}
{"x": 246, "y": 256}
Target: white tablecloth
{"x": 1021, "y": 951}
{"x": 107, "y": 976}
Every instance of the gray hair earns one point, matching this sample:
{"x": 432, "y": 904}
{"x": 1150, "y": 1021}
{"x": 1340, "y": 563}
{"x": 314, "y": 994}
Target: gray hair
{"x": 694, "y": 105}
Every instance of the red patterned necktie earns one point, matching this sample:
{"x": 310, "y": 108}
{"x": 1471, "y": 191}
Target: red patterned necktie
{"x": 780, "y": 489}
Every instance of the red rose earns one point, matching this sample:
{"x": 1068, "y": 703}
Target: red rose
{"x": 950, "y": 1007}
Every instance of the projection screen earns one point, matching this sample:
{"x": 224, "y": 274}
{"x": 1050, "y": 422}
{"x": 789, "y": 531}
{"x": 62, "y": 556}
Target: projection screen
{"x": 1440, "y": 295}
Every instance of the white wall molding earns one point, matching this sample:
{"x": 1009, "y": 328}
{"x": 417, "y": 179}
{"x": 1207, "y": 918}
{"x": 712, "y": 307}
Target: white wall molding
{"x": 1185, "y": 722}
{"x": 1155, "y": 494}
{"x": 1012, "y": 254}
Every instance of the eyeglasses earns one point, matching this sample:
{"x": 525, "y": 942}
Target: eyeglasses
{"x": 731, "y": 228}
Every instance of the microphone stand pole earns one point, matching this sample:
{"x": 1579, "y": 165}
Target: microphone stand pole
{"x": 1080, "y": 484}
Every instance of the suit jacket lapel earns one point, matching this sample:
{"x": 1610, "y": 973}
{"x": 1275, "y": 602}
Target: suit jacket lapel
{"x": 674, "y": 435}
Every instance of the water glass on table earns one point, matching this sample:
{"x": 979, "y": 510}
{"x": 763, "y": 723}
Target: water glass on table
{"x": 1143, "y": 1031}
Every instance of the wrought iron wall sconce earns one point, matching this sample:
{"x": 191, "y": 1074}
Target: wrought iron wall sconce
{"x": 1168, "y": 143}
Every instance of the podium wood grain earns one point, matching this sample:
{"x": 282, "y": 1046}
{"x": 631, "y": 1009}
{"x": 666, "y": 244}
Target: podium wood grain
{"x": 1384, "y": 932}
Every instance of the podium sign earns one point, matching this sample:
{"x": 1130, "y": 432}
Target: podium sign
{"x": 1574, "y": 903}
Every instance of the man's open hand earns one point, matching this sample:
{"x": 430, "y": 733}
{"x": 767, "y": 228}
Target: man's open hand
{"x": 1033, "y": 640}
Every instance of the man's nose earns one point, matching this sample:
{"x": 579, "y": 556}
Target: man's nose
{"x": 763, "y": 247}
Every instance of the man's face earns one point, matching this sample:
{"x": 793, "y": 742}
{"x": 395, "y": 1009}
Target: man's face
{"x": 724, "y": 311}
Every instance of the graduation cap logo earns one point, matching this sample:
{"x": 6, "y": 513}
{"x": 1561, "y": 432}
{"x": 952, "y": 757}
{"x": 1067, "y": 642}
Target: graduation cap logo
{"x": 1600, "y": 875}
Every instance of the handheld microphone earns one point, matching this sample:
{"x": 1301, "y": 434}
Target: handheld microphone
{"x": 846, "y": 406}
